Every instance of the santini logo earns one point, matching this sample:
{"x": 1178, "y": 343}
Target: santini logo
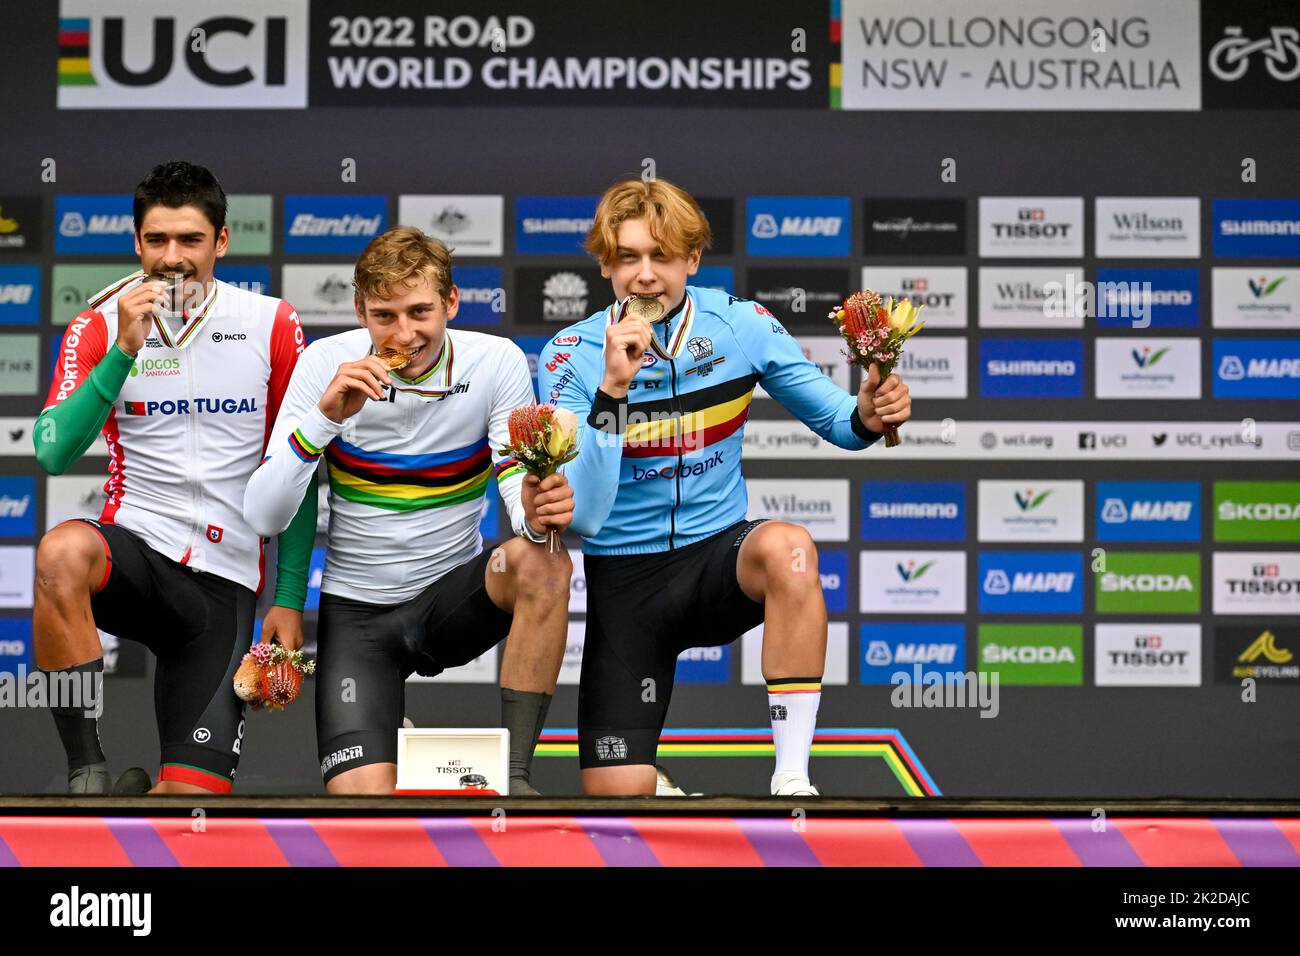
{"x": 74, "y": 909}
{"x": 306, "y": 224}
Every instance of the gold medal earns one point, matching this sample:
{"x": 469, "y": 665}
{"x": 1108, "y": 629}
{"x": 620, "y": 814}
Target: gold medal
{"x": 645, "y": 307}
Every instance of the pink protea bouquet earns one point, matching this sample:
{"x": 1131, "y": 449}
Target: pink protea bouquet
{"x": 542, "y": 438}
{"x": 270, "y": 676}
{"x": 875, "y": 332}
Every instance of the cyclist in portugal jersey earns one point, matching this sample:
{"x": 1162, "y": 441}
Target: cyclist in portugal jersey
{"x": 670, "y": 560}
{"x": 410, "y": 417}
{"x": 183, "y": 379}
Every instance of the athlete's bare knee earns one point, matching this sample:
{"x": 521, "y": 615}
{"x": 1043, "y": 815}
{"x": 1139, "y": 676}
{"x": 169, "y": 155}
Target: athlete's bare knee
{"x": 66, "y": 559}
{"x": 539, "y": 575}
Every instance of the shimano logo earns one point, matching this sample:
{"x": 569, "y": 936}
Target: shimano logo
{"x": 306, "y": 224}
{"x": 539, "y": 226}
{"x": 914, "y": 509}
{"x": 1260, "y": 227}
{"x": 1041, "y": 368}
{"x": 693, "y": 470}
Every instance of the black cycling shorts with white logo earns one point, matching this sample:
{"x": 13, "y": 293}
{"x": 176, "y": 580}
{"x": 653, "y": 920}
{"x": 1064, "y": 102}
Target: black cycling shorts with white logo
{"x": 199, "y": 626}
{"x": 642, "y": 611}
{"x": 366, "y": 651}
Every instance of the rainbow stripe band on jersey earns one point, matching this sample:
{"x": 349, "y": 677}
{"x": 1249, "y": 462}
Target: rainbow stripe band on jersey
{"x": 303, "y": 448}
{"x": 397, "y": 482}
{"x": 433, "y": 383}
{"x": 507, "y": 467}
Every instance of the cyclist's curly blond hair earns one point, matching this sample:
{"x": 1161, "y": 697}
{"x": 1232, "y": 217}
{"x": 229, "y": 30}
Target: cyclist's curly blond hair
{"x": 672, "y": 214}
{"x": 398, "y": 258}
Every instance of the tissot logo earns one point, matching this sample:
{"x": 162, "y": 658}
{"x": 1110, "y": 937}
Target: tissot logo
{"x": 249, "y": 54}
{"x": 1148, "y": 655}
{"x": 1256, "y": 582}
{"x": 1048, "y": 226}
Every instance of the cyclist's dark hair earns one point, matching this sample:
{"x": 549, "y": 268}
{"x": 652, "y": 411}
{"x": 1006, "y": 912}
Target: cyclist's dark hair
{"x": 178, "y": 183}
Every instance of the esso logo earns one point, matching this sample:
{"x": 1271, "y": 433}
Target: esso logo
{"x": 648, "y": 359}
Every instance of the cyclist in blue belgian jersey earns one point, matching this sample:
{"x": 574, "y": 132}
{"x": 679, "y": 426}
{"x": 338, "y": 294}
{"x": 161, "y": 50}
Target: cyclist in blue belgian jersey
{"x": 671, "y": 561}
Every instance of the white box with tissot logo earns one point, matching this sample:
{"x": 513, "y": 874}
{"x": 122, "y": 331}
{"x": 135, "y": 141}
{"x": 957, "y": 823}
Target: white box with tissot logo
{"x": 474, "y": 760}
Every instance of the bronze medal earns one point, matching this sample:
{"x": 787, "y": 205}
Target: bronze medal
{"x": 644, "y": 307}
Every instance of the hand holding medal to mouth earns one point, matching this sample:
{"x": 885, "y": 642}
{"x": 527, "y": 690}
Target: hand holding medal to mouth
{"x": 626, "y": 342}
{"x": 357, "y": 382}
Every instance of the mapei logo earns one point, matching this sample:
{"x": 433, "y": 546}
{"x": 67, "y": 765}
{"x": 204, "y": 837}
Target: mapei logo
{"x": 94, "y": 224}
{"x": 1148, "y": 511}
{"x": 1257, "y": 368}
{"x": 927, "y": 648}
{"x": 798, "y": 225}
{"x": 1024, "y": 582}
{"x": 116, "y": 54}
{"x": 20, "y": 296}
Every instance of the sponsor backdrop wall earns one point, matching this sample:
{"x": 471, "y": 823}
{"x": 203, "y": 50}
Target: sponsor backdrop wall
{"x": 1098, "y": 204}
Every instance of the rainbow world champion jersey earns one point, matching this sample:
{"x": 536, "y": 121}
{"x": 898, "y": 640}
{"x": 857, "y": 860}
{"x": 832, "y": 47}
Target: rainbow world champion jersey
{"x": 407, "y": 476}
{"x": 672, "y": 476}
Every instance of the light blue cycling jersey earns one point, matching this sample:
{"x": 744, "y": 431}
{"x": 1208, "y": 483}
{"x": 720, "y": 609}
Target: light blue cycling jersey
{"x": 662, "y": 470}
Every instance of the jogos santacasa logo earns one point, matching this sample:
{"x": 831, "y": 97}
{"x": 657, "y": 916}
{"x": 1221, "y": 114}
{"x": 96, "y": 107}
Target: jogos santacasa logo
{"x": 248, "y": 54}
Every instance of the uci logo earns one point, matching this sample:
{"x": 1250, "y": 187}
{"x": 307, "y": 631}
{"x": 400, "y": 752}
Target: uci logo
{"x": 228, "y": 336}
{"x": 127, "y": 58}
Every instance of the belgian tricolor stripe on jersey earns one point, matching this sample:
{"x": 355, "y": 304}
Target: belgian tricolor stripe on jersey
{"x": 409, "y": 482}
{"x": 708, "y": 415}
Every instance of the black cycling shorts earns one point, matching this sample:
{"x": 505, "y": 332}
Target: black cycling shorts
{"x": 365, "y": 652}
{"x": 199, "y": 626}
{"x": 642, "y": 611}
